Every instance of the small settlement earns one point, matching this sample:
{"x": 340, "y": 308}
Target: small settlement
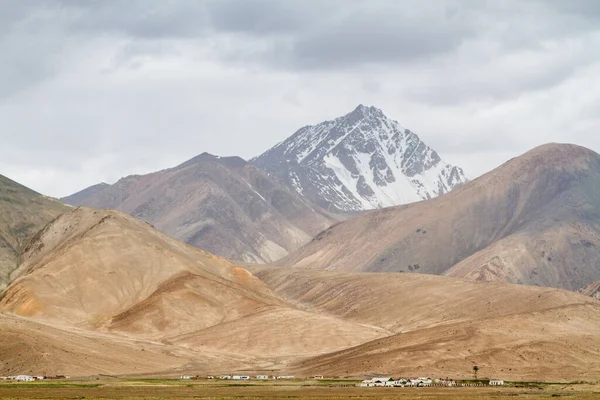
{"x": 400, "y": 382}
{"x": 382, "y": 381}
{"x": 244, "y": 377}
{"x": 387, "y": 381}
{"x": 22, "y": 378}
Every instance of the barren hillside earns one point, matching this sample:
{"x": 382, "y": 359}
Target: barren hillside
{"x": 23, "y": 212}
{"x": 443, "y": 326}
{"x": 557, "y": 344}
{"x": 534, "y": 220}
{"x": 223, "y": 205}
{"x": 416, "y": 301}
{"x": 103, "y": 269}
{"x": 107, "y": 272}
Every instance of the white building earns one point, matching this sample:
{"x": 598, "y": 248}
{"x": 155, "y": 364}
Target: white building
{"x": 185, "y": 377}
{"x": 446, "y": 382}
{"x": 23, "y": 378}
{"x": 241, "y": 377}
{"x": 496, "y": 383}
{"x": 286, "y": 377}
{"x": 381, "y": 379}
{"x": 400, "y": 382}
{"x": 225, "y": 377}
{"x": 377, "y": 382}
{"x": 262, "y": 377}
{"x": 424, "y": 382}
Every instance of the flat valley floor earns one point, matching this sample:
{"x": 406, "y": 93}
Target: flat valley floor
{"x": 305, "y": 390}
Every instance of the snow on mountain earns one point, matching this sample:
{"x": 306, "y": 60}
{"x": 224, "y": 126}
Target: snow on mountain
{"x": 360, "y": 161}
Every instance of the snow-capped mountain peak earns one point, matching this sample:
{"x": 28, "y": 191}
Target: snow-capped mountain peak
{"x": 360, "y": 161}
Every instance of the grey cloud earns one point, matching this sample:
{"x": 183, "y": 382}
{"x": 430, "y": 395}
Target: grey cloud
{"x": 317, "y": 35}
{"x": 29, "y": 44}
{"x": 153, "y": 19}
{"x": 329, "y": 35}
{"x": 345, "y": 34}
{"x": 588, "y": 9}
{"x": 94, "y": 90}
{"x": 363, "y": 41}
{"x": 297, "y": 34}
{"x": 495, "y": 83}
{"x": 263, "y": 17}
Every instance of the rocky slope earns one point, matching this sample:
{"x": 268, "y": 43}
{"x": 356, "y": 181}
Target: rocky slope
{"x": 223, "y": 205}
{"x": 23, "y": 212}
{"x": 534, "y": 220}
{"x": 360, "y": 161}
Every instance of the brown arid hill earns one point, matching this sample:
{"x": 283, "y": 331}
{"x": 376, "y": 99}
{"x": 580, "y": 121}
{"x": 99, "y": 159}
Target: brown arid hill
{"x": 592, "y": 290}
{"x": 547, "y": 346}
{"x": 23, "y": 212}
{"x": 110, "y": 273}
{"x": 104, "y": 269}
{"x": 443, "y": 326}
{"x": 223, "y": 205}
{"x": 534, "y": 220}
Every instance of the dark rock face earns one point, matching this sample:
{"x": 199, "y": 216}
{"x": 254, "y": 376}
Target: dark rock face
{"x": 360, "y": 161}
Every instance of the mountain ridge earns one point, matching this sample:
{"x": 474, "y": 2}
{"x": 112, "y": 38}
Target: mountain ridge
{"x": 533, "y": 220}
{"x": 224, "y": 205}
{"x": 362, "y": 160}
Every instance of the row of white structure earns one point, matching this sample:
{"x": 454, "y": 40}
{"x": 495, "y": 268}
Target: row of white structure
{"x": 22, "y": 378}
{"x": 401, "y": 382}
{"x": 418, "y": 382}
{"x": 246, "y": 377}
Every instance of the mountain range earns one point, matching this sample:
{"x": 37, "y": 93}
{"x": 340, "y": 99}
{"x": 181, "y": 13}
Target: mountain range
{"x": 259, "y": 211}
{"x": 466, "y": 273}
{"x": 101, "y": 292}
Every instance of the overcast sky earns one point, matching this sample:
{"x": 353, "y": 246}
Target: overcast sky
{"x": 91, "y": 91}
